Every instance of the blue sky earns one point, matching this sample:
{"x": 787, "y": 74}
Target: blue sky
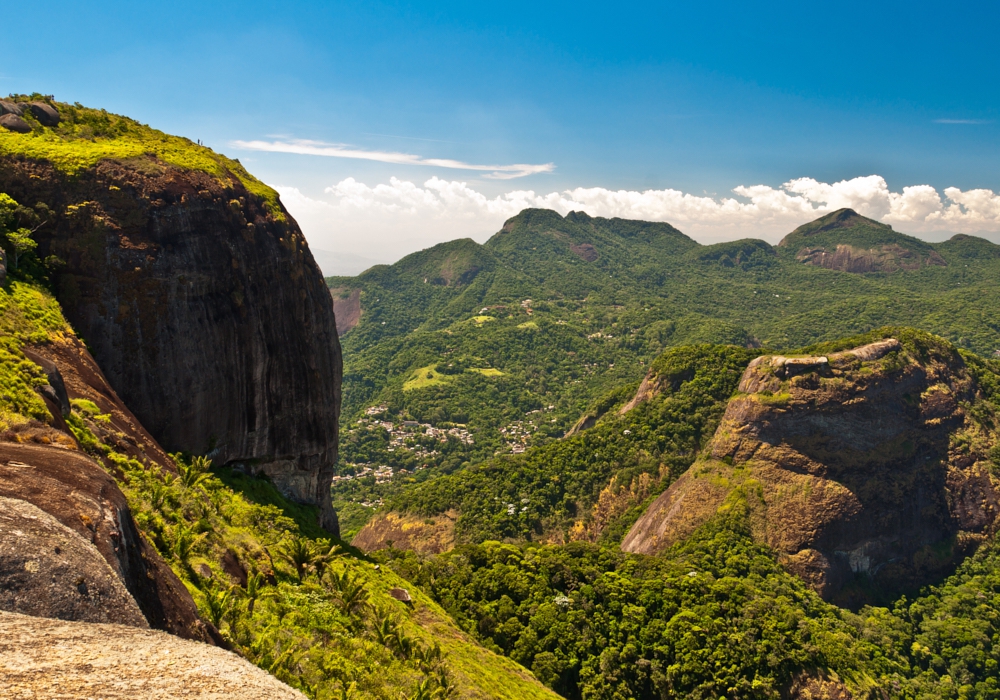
{"x": 697, "y": 98}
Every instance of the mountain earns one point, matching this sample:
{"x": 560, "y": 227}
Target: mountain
{"x": 870, "y": 466}
{"x": 521, "y": 338}
{"x": 704, "y": 536}
{"x": 187, "y": 278}
{"x": 145, "y": 278}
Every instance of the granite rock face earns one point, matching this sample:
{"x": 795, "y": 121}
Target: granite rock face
{"x": 867, "y": 470}
{"x": 42, "y": 658}
{"x": 204, "y": 309}
{"x": 48, "y": 570}
{"x": 84, "y": 559}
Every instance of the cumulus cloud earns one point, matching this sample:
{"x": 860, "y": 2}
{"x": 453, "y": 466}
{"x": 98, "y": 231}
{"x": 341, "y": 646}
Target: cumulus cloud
{"x": 336, "y": 150}
{"x": 398, "y": 217}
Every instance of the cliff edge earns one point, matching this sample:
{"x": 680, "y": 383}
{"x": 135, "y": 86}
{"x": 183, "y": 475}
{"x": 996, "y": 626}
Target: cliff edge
{"x": 195, "y": 292}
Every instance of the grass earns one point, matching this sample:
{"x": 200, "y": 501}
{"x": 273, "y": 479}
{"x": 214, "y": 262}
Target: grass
{"x": 425, "y": 377}
{"x": 28, "y": 315}
{"x": 486, "y": 371}
{"x": 87, "y": 136}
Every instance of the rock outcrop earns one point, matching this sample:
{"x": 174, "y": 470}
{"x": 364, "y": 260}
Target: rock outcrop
{"x": 42, "y": 658}
{"x": 12, "y": 122}
{"x": 867, "y": 470}
{"x": 204, "y": 309}
{"x": 41, "y": 466}
{"x": 846, "y": 241}
{"x": 46, "y": 114}
{"x": 48, "y": 570}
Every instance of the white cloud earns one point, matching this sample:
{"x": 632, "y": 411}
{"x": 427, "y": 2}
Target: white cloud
{"x": 336, "y": 150}
{"x": 399, "y": 217}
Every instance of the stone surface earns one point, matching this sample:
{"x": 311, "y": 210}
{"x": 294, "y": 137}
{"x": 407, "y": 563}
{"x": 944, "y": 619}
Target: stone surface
{"x": 7, "y": 107}
{"x": 73, "y": 490}
{"x": 48, "y": 570}
{"x": 12, "y": 122}
{"x": 46, "y": 114}
{"x": 42, "y": 658}
{"x": 864, "y": 471}
{"x": 206, "y": 313}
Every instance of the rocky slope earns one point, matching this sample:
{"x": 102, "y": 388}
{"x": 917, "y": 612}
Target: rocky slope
{"x": 867, "y": 469}
{"x": 42, "y": 658}
{"x": 101, "y": 569}
{"x": 197, "y": 295}
{"x": 846, "y": 241}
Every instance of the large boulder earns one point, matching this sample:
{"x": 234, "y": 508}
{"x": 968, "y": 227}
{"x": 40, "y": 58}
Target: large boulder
{"x": 48, "y": 570}
{"x": 46, "y": 114}
{"x": 12, "y": 122}
{"x": 7, "y": 107}
{"x": 78, "y": 498}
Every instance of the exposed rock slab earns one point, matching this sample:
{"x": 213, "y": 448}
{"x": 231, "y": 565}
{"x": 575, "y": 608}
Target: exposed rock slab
{"x": 76, "y": 492}
{"x": 48, "y": 570}
{"x": 403, "y": 531}
{"x": 205, "y": 311}
{"x": 42, "y": 658}
{"x": 862, "y": 469}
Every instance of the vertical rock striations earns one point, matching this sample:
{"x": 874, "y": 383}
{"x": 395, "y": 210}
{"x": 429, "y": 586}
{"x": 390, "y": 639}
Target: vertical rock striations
{"x": 203, "y": 307}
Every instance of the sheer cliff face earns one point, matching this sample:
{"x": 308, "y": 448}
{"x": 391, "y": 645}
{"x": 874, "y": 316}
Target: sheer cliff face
{"x": 205, "y": 311}
{"x": 867, "y": 471}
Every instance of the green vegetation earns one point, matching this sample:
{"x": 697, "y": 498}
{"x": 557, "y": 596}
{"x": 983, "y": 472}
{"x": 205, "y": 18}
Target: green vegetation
{"x": 86, "y": 136}
{"x": 311, "y": 611}
{"x": 715, "y": 617}
{"x": 571, "y": 328}
{"x": 550, "y": 490}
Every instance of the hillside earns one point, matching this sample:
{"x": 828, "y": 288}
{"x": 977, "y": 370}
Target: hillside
{"x": 516, "y": 339}
{"x": 767, "y": 513}
{"x": 871, "y": 466}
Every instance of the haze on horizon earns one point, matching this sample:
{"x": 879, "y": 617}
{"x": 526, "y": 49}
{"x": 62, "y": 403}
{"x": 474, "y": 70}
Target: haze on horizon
{"x": 391, "y": 126}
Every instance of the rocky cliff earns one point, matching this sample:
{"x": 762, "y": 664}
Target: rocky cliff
{"x": 867, "y": 470}
{"x": 201, "y": 303}
{"x": 69, "y": 546}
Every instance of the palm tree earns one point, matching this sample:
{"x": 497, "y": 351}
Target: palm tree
{"x": 195, "y": 473}
{"x": 219, "y": 603}
{"x": 352, "y": 593}
{"x": 300, "y": 553}
{"x": 183, "y": 546}
{"x": 254, "y": 590}
{"x": 326, "y": 553}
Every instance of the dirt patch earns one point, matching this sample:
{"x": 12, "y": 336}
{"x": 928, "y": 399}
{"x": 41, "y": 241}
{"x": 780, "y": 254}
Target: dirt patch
{"x": 584, "y": 251}
{"x": 404, "y": 531}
